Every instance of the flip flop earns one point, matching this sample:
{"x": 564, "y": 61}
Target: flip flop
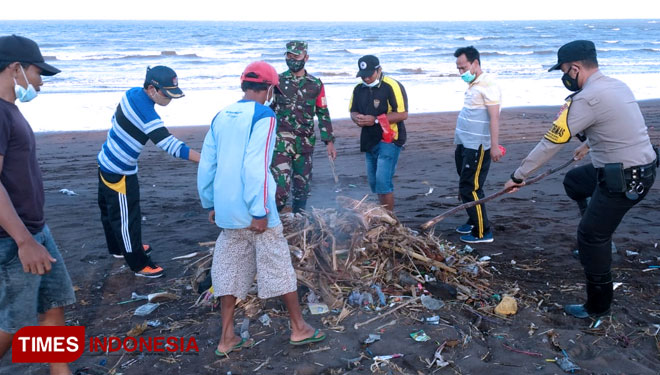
{"x": 234, "y": 348}
{"x": 310, "y": 340}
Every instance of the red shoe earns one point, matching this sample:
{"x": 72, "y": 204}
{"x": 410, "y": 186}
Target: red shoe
{"x": 151, "y": 271}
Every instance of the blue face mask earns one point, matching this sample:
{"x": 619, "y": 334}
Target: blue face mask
{"x": 468, "y": 77}
{"x": 24, "y": 94}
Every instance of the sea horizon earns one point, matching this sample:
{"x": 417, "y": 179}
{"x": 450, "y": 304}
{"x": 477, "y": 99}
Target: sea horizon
{"x": 102, "y": 59}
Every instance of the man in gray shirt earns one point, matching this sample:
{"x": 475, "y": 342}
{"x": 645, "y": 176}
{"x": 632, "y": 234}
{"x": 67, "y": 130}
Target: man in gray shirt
{"x": 602, "y": 111}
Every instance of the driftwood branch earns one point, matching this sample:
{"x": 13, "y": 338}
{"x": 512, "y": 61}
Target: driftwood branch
{"x": 358, "y": 325}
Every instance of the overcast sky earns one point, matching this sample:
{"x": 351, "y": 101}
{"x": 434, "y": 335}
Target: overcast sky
{"x": 330, "y": 10}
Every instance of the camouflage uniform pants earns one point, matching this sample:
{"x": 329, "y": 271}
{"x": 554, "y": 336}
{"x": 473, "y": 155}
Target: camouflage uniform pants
{"x": 291, "y": 172}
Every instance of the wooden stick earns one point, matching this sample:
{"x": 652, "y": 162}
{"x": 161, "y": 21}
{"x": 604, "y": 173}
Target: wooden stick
{"x": 463, "y": 206}
{"x": 332, "y": 168}
{"x": 358, "y": 325}
{"x": 424, "y": 259}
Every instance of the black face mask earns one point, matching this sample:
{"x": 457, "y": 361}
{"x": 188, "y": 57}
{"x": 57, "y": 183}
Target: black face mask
{"x": 295, "y": 65}
{"x": 570, "y": 83}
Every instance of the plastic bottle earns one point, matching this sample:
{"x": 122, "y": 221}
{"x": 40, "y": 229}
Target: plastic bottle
{"x": 245, "y": 334}
{"x": 432, "y": 303}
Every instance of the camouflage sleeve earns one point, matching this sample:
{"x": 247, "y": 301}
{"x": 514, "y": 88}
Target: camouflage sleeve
{"x": 323, "y": 114}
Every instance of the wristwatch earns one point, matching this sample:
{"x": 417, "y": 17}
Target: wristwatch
{"x": 516, "y": 180}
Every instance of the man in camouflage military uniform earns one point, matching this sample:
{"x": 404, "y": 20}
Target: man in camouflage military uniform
{"x": 302, "y": 96}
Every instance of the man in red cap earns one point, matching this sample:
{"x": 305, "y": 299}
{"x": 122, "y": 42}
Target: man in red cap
{"x": 235, "y": 183}
{"x": 34, "y": 282}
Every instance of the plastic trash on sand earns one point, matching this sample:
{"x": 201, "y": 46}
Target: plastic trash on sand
{"x": 437, "y": 358}
{"x": 161, "y": 297}
{"x": 146, "y": 309}
{"x": 387, "y": 357}
{"x": 371, "y": 339}
{"x": 379, "y": 292}
{"x": 265, "y": 320}
{"x": 68, "y": 192}
{"x": 245, "y": 326}
{"x": 318, "y": 308}
{"x": 431, "y": 303}
{"x": 508, "y": 306}
{"x": 420, "y": 336}
{"x": 566, "y": 364}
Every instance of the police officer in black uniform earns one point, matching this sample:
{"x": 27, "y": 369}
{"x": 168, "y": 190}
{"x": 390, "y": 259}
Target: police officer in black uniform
{"x": 603, "y": 112}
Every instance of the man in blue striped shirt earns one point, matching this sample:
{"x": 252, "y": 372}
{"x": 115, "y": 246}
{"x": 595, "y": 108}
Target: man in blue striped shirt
{"x": 134, "y": 123}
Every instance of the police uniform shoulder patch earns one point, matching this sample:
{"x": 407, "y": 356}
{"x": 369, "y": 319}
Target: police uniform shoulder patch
{"x": 559, "y": 133}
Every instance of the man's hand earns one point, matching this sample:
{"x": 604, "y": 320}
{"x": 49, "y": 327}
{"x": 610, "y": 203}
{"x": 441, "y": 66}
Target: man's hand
{"x": 212, "y": 216}
{"x": 581, "y": 151}
{"x": 193, "y": 156}
{"x": 365, "y": 120}
{"x": 34, "y": 257}
{"x": 332, "y": 153}
{"x": 495, "y": 153}
{"x": 512, "y": 186}
{"x": 258, "y": 225}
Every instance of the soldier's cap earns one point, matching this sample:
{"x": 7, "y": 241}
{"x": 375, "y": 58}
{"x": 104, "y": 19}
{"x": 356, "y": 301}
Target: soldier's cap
{"x": 165, "y": 80}
{"x": 367, "y": 65}
{"x": 297, "y": 47}
{"x": 574, "y": 51}
{"x": 14, "y": 48}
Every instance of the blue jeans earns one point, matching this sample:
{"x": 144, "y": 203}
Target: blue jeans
{"x": 23, "y": 295}
{"x": 381, "y": 164}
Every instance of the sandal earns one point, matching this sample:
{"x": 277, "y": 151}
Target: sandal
{"x": 310, "y": 340}
{"x": 234, "y": 348}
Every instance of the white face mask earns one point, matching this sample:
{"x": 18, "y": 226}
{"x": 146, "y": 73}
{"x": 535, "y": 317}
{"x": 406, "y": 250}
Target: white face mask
{"x": 268, "y": 102}
{"x": 24, "y": 94}
{"x": 372, "y": 84}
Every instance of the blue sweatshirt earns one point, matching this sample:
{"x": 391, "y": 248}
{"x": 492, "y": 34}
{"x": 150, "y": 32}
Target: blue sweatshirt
{"x": 234, "y": 175}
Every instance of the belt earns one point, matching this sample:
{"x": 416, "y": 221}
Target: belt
{"x": 640, "y": 171}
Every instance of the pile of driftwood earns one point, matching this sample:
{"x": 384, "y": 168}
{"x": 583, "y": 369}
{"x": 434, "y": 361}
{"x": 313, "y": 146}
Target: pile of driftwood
{"x": 359, "y": 245}
{"x": 351, "y": 249}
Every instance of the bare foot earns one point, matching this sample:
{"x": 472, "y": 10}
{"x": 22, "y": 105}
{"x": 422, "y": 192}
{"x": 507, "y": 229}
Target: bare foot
{"x": 225, "y": 347}
{"x": 307, "y": 332}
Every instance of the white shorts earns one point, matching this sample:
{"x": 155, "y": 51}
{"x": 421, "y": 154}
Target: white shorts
{"x": 241, "y": 254}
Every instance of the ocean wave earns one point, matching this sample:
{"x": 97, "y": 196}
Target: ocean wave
{"x": 476, "y": 38}
{"x": 611, "y": 41}
{"x": 651, "y": 49}
{"x": 345, "y": 39}
{"x": 333, "y": 74}
{"x": 500, "y": 53}
{"x": 107, "y": 57}
{"x": 162, "y": 54}
{"x": 445, "y": 75}
{"x": 344, "y": 50}
{"x": 381, "y": 50}
{"x": 50, "y": 58}
{"x": 413, "y": 71}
